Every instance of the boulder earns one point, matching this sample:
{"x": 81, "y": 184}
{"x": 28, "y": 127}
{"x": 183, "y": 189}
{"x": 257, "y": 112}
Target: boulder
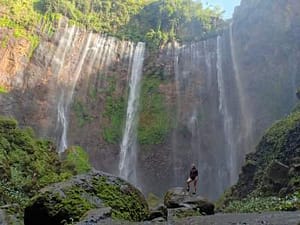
{"x": 278, "y": 172}
{"x": 94, "y": 216}
{"x": 174, "y": 197}
{"x": 159, "y": 211}
{"x": 68, "y": 201}
{"x": 179, "y": 213}
{"x": 179, "y": 198}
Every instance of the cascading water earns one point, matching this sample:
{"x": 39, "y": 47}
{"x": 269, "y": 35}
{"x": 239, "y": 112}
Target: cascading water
{"x": 246, "y": 117}
{"x": 128, "y": 153}
{"x": 66, "y": 98}
{"x": 231, "y": 166}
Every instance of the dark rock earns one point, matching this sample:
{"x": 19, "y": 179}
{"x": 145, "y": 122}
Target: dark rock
{"x": 156, "y": 213}
{"x": 174, "y": 197}
{"x": 179, "y": 198}
{"x": 178, "y": 213}
{"x": 201, "y": 204}
{"x": 159, "y": 211}
{"x": 278, "y": 172}
{"x": 95, "y": 215}
{"x": 68, "y": 201}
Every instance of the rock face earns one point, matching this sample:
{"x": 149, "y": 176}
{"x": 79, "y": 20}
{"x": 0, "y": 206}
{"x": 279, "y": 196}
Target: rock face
{"x": 178, "y": 198}
{"x": 14, "y": 57}
{"x": 272, "y": 169}
{"x": 69, "y": 201}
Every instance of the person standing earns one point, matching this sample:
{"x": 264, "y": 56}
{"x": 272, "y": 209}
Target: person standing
{"x": 192, "y": 178}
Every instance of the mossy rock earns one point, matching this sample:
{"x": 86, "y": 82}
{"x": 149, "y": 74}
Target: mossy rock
{"x": 270, "y": 171}
{"x": 68, "y": 201}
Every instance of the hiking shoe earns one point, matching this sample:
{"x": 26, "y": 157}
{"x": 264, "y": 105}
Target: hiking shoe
{"x": 187, "y": 189}
{"x": 194, "y": 193}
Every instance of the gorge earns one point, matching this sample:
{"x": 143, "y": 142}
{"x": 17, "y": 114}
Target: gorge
{"x": 203, "y": 101}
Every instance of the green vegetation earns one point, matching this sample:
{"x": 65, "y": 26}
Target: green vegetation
{"x": 77, "y": 160}
{"x": 183, "y": 20}
{"x": 153, "y": 200}
{"x": 68, "y": 201}
{"x": 114, "y": 113}
{"x": 154, "y": 122}
{"x": 125, "y": 204}
{"x": 27, "y": 164}
{"x": 115, "y": 109}
{"x": 265, "y": 204}
{"x": 3, "y": 90}
{"x": 152, "y": 21}
{"x": 81, "y": 113}
{"x": 26, "y": 23}
{"x": 269, "y": 178}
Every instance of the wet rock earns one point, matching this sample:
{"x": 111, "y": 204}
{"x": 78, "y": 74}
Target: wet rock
{"x": 68, "y": 201}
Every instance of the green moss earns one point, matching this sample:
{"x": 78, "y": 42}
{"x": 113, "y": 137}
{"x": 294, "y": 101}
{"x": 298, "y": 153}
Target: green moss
{"x": 68, "y": 201}
{"x": 3, "y": 90}
{"x": 81, "y": 113}
{"x": 26, "y": 164}
{"x": 155, "y": 122}
{"x": 153, "y": 200}
{"x": 279, "y": 143}
{"x": 125, "y": 204}
{"x": 114, "y": 113}
{"x": 66, "y": 208}
{"x": 77, "y": 159}
{"x": 186, "y": 213}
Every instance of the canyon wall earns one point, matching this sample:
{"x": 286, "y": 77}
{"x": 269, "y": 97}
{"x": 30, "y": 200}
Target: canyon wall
{"x": 205, "y": 102}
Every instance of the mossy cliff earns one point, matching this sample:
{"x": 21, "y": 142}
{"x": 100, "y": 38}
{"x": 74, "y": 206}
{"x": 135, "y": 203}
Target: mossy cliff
{"x": 68, "y": 201}
{"x": 270, "y": 177}
{"x": 27, "y": 164}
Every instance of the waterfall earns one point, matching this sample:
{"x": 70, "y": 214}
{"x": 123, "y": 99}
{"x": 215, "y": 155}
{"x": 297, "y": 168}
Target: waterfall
{"x": 246, "y": 117}
{"x": 231, "y": 166}
{"x": 66, "y": 98}
{"x": 127, "y": 164}
{"x": 60, "y": 54}
{"x": 176, "y": 159}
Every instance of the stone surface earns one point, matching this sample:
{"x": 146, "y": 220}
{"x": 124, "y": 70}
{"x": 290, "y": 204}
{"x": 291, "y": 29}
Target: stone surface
{"x": 174, "y": 197}
{"x": 179, "y": 198}
{"x": 70, "y": 200}
{"x": 278, "y": 172}
{"x": 272, "y": 218}
{"x": 94, "y": 216}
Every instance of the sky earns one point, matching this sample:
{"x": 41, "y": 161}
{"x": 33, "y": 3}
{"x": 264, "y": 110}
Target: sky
{"x": 227, "y": 5}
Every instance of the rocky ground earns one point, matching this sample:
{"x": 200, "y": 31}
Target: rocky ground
{"x": 272, "y": 218}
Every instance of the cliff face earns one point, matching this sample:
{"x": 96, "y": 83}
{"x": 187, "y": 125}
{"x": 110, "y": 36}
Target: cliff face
{"x": 266, "y": 35}
{"x": 13, "y": 58}
{"x": 206, "y": 102}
